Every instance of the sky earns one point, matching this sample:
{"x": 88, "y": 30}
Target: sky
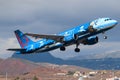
{"x": 54, "y": 16}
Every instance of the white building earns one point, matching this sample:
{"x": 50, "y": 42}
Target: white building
{"x": 80, "y": 78}
{"x": 113, "y": 78}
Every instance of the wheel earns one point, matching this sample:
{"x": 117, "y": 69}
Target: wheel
{"x": 105, "y": 37}
{"x": 62, "y": 48}
{"x": 77, "y": 50}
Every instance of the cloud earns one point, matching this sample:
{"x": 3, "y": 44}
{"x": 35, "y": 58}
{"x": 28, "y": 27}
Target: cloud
{"x": 98, "y": 48}
{"x": 5, "y": 44}
{"x": 52, "y": 16}
{"x": 59, "y": 15}
{"x": 19, "y": 11}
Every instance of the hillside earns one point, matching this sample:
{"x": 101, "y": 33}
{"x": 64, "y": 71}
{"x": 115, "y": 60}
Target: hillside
{"x": 97, "y": 61}
{"x": 39, "y": 57}
{"x": 16, "y": 66}
{"x": 26, "y": 70}
{"x": 1, "y": 60}
{"x": 47, "y": 57}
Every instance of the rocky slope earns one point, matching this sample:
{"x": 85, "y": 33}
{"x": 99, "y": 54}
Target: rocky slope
{"x": 16, "y": 66}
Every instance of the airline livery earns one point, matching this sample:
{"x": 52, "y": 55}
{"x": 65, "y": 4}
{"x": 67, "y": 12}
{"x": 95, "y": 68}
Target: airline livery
{"x": 83, "y": 34}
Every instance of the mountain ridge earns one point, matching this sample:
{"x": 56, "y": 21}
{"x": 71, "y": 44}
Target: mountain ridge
{"x": 15, "y": 66}
{"x": 112, "y": 54}
{"x": 39, "y": 57}
{"x": 27, "y": 70}
{"x": 91, "y": 62}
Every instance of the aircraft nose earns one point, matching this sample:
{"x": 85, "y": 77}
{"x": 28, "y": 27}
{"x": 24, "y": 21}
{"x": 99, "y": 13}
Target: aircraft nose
{"x": 114, "y": 22}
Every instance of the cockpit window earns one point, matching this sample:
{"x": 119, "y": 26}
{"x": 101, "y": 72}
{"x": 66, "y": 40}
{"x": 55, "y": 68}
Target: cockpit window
{"x": 108, "y": 19}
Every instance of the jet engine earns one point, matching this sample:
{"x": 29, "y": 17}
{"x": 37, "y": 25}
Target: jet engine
{"x": 91, "y": 41}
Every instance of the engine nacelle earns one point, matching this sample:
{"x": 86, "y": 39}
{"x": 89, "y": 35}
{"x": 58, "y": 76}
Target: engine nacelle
{"x": 91, "y": 41}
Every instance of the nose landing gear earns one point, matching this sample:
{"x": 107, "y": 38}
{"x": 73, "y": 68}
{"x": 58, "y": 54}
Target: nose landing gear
{"x": 105, "y": 37}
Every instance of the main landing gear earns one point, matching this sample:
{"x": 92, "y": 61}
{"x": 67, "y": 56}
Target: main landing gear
{"x": 62, "y": 48}
{"x": 77, "y": 44}
{"x": 77, "y": 49}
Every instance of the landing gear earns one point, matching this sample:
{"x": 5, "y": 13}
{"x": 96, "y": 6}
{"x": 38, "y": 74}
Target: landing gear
{"x": 76, "y": 37}
{"x": 77, "y": 50}
{"x": 77, "y": 43}
{"x": 62, "y": 48}
{"x": 105, "y": 37}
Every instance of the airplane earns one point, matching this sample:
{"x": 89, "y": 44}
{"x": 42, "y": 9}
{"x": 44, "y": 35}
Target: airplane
{"x": 83, "y": 34}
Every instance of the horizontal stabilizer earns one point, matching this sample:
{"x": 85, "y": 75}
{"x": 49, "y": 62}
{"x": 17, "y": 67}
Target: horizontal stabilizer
{"x": 17, "y": 49}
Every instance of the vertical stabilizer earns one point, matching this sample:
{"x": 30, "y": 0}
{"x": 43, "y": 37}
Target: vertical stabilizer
{"x": 22, "y": 39}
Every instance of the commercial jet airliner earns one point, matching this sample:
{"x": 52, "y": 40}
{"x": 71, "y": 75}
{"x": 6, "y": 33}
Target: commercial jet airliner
{"x": 83, "y": 34}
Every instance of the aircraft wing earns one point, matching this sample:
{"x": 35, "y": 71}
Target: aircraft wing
{"x": 57, "y": 38}
{"x": 17, "y": 49}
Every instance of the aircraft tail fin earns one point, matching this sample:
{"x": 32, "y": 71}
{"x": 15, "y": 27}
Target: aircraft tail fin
{"x": 22, "y": 39}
